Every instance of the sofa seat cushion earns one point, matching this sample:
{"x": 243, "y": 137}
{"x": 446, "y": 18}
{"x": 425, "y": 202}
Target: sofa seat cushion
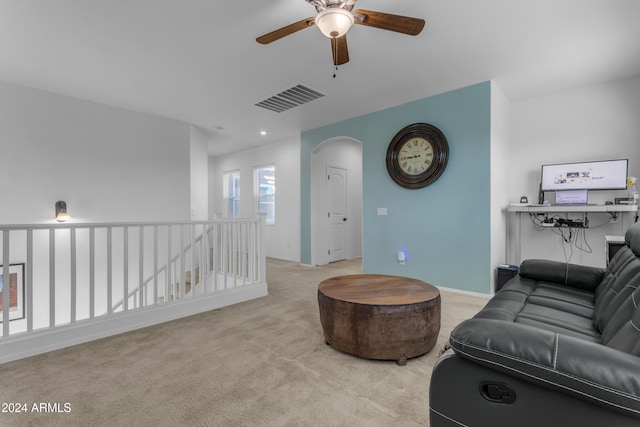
{"x": 505, "y": 305}
{"x": 577, "y": 307}
{"x": 555, "y": 320}
{"x": 571, "y": 298}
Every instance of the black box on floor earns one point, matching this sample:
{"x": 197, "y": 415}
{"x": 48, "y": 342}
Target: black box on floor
{"x": 613, "y": 245}
{"x": 506, "y": 272}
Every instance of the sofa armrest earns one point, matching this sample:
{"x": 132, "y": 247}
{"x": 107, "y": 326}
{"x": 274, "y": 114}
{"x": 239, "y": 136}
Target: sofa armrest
{"x": 585, "y": 369}
{"x": 574, "y": 275}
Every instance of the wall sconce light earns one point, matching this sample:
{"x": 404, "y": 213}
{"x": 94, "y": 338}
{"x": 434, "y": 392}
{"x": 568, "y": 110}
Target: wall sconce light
{"x": 61, "y": 211}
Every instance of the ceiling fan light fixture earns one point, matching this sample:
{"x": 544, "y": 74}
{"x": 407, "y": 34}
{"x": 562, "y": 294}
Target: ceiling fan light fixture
{"x": 334, "y": 22}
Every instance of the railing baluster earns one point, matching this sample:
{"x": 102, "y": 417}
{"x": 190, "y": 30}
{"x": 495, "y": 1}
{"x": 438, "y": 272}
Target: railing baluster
{"x": 29, "y": 280}
{"x": 142, "y": 291}
{"x": 193, "y": 277}
{"x": 252, "y": 238}
{"x": 52, "y": 278}
{"x": 236, "y": 254}
{"x": 261, "y": 249}
{"x": 72, "y": 242}
{"x": 236, "y": 272}
{"x": 245, "y": 252}
{"x": 225, "y": 254}
{"x": 6, "y": 247}
{"x": 168, "y": 273}
{"x": 239, "y": 251}
{"x": 125, "y": 268}
{"x": 181, "y": 279}
{"x": 109, "y": 271}
{"x": 155, "y": 264}
{"x": 92, "y": 272}
{"x": 249, "y": 251}
{"x": 232, "y": 252}
{"x": 215, "y": 254}
{"x": 204, "y": 269}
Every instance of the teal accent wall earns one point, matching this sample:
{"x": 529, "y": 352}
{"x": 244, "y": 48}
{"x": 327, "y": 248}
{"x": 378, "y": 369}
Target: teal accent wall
{"x": 444, "y": 228}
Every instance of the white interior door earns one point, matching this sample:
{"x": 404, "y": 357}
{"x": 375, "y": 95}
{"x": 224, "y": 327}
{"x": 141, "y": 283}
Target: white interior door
{"x": 337, "y": 215}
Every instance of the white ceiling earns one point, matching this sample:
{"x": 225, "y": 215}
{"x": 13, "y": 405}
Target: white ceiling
{"x": 198, "y": 61}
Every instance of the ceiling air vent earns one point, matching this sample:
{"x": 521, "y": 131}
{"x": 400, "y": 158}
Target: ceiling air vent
{"x": 290, "y": 98}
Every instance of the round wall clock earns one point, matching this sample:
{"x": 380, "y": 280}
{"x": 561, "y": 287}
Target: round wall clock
{"x": 417, "y": 155}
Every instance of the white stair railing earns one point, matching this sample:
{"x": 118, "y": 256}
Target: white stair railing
{"x": 66, "y": 278}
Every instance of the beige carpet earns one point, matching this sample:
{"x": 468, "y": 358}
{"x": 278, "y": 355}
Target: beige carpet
{"x": 260, "y": 363}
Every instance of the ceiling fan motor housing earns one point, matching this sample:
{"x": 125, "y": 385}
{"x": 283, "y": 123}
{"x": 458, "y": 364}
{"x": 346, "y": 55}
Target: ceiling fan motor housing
{"x": 321, "y": 5}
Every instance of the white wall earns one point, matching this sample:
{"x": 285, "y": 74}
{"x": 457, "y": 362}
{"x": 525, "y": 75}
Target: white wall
{"x": 597, "y": 122}
{"x": 283, "y": 238}
{"x": 107, "y": 163}
{"x": 500, "y": 138}
{"x": 199, "y": 174}
{"x": 344, "y": 153}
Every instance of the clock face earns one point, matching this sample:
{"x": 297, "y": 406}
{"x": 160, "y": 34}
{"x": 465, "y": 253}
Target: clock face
{"x": 417, "y": 155}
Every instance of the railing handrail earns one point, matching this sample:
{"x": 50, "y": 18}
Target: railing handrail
{"x": 70, "y": 225}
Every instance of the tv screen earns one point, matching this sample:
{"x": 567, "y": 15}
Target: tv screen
{"x": 599, "y": 175}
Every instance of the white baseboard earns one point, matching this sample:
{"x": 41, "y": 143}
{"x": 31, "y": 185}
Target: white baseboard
{"x": 36, "y": 342}
{"x": 459, "y": 291}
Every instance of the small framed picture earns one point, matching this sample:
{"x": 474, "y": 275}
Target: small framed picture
{"x": 16, "y": 291}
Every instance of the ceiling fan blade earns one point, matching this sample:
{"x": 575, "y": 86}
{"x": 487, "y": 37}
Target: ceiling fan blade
{"x": 340, "y": 50}
{"x": 285, "y": 31}
{"x": 386, "y": 21}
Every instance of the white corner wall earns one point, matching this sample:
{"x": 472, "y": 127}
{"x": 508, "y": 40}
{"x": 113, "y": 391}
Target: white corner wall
{"x": 500, "y": 139}
{"x": 108, "y": 164}
{"x": 597, "y": 122}
{"x": 199, "y": 174}
{"x": 283, "y": 238}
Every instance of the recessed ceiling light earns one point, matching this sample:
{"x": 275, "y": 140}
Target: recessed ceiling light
{"x": 263, "y": 132}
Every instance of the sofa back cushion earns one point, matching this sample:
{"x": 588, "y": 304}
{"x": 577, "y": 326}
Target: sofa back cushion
{"x": 623, "y": 330}
{"x": 632, "y": 238}
{"x": 618, "y": 263}
{"x": 618, "y": 292}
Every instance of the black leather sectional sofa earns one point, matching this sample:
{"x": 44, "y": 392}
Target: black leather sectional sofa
{"x": 558, "y": 345}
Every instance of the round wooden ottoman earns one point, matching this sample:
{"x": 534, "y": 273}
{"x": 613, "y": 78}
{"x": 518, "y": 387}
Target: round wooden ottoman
{"x": 379, "y": 317}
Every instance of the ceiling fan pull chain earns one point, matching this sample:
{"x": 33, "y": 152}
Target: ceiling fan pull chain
{"x": 335, "y": 56}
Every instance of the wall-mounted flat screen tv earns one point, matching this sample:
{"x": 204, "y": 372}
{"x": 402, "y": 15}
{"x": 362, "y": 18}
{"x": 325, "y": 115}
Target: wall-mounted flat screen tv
{"x": 598, "y": 175}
